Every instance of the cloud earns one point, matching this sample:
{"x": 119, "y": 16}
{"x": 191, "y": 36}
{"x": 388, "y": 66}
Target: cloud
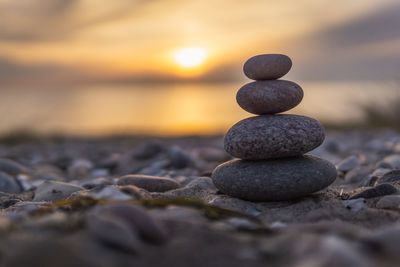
{"x": 41, "y": 20}
{"x": 381, "y": 25}
{"x": 364, "y": 48}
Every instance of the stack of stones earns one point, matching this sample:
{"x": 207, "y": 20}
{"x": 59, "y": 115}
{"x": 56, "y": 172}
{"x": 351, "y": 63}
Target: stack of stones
{"x": 272, "y": 165}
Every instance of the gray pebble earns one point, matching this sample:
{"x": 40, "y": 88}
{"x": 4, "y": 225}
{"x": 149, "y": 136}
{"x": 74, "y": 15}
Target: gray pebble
{"x": 150, "y": 183}
{"x": 390, "y": 162}
{"x": 377, "y": 191}
{"x": 8, "y": 184}
{"x": 198, "y": 188}
{"x": 355, "y": 205}
{"x": 112, "y": 232}
{"x": 269, "y": 97}
{"x": 80, "y": 169}
{"x": 108, "y": 192}
{"x": 273, "y": 136}
{"x": 12, "y": 167}
{"x": 389, "y": 202}
{"x": 267, "y": 66}
{"x": 274, "y": 180}
{"x": 348, "y": 164}
{"x": 178, "y": 158}
{"x": 357, "y": 175}
{"x": 52, "y": 190}
{"x": 390, "y": 177}
{"x": 139, "y": 221}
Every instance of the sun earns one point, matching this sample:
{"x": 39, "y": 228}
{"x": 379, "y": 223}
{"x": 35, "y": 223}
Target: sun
{"x": 189, "y": 57}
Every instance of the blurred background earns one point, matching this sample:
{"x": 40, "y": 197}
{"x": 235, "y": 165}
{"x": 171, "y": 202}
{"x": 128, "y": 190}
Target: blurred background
{"x": 172, "y": 67}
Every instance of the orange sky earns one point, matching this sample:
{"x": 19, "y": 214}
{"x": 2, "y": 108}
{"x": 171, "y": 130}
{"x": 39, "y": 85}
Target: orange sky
{"x": 135, "y": 40}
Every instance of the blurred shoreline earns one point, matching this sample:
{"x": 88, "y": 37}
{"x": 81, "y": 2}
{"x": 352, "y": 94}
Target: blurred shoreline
{"x": 183, "y": 109}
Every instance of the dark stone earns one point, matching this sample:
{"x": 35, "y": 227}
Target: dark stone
{"x": 267, "y": 67}
{"x": 269, "y": 97}
{"x": 377, "y": 191}
{"x": 390, "y": 177}
{"x": 274, "y": 180}
{"x": 273, "y": 136}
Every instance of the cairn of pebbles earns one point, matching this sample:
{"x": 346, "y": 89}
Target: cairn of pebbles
{"x": 271, "y": 147}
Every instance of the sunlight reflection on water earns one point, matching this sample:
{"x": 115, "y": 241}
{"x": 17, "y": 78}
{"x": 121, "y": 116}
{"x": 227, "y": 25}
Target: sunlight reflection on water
{"x": 169, "y": 109}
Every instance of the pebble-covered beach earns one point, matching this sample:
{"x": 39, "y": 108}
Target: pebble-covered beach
{"x": 151, "y": 202}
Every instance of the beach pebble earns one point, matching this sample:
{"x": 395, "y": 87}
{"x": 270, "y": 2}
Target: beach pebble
{"x": 112, "y": 232}
{"x": 52, "y": 190}
{"x": 389, "y": 202}
{"x": 149, "y": 229}
{"x": 377, "y": 191}
{"x": 269, "y": 97}
{"x": 108, "y": 192}
{"x": 149, "y": 183}
{"x": 357, "y": 175}
{"x": 80, "y": 169}
{"x": 348, "y": 164}
{"x": 355, "y": 205}
{"x": 390, "y": 177}
{"x": 390, "y": 162}
{"x": 273, "y": 136}
{"x": 8, "y": 184}
{"x": 135, "y": 192}
{"x": 47, "y": 172}
{"x": 267, "y": 67}
{"x": 199, "y": 187}
{"x": 178, "y": 158}
{"x": 138, "y": 221}
{"x": 274, "y": 180}
{"x": 12, "y": 167}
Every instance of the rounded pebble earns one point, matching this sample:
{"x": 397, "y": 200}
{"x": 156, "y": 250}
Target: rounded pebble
{"x": 274, "y": 180}
{"x": 377, "y": 191}
{"x": 273, "y": 136}
{"x": 390, "y": 177}
{"x": 149, "y": 183}
{"x": 52, "y": 191}
{"x": 389, "y": 202}
{"x": 269, "y": 97}
{"x": 267, "y": 67}
{"x": 9, "y": 184}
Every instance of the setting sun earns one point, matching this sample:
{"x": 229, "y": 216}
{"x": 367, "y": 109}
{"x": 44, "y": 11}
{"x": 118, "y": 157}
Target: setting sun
{"x": 189, "y": 57}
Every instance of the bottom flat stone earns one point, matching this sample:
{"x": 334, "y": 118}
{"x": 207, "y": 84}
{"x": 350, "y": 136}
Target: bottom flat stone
{"x": 274, "y": 180}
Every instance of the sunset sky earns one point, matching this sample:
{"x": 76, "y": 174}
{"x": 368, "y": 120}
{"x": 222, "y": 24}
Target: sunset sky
{"x": 63, "y": 41}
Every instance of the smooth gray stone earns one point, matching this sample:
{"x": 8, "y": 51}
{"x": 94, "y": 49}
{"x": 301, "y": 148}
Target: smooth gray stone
{"x": 112, "y": 231}
{"x": 273, "y": 136}
{"x": 150, "y": 183}
{"x": 389, "y": 202}
{"x": 269, "y": 97}
{"x": 52, "y": 191}
{"x": 274, "y": 180}
{"x": 8, "y": 184}
{"x": 267, "y": 67}
{"x": 12, "y": 167}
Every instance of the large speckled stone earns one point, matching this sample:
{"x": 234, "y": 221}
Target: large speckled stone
{"x": 269, "y": 97}
{"x": 267, "y": 67}
{"x": 273, "y": 136}
{"x": 274, "y": 180}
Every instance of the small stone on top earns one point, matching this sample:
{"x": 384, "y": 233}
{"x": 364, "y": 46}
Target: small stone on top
{"x": 267, "y": 67}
